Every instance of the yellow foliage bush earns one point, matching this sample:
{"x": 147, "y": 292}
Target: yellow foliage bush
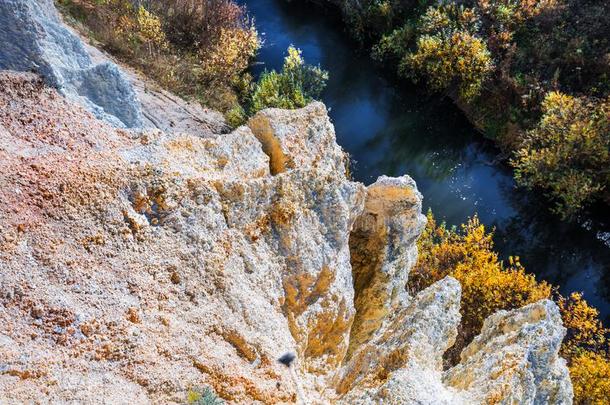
{"x": 231, "y": 54}
{"x": 585, "y": 330}
{"x": 150, "y": 31}
{"x": 462, "y": 60}
{"x": 590, "y": 373}
{"x": 488, "y": 285}
{"x": 567, "y": 153}
{"x": 449, "y": 54}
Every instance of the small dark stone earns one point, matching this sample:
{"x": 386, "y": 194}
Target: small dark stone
{"x": 287, "y": 359}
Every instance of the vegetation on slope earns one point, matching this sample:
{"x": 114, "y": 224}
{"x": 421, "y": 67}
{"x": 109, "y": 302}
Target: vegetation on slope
{"x": 489, "y": 285}
{"x": 295, "y": 86}
{"x": 533, "y": 75}
{"x": 199, "y": 49}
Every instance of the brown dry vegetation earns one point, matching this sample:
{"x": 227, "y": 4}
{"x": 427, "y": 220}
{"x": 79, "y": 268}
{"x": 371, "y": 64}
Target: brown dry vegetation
{"x": 196, "y": 48}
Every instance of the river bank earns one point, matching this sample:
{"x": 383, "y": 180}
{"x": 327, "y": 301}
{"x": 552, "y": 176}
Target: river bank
{"x": 395, "y": 129}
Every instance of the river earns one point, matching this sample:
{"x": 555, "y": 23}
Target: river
{"x": 390, "y": 128}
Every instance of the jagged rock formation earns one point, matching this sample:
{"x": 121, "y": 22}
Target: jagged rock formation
{"x": 383, "y": 251}
{"x": 138, "y": 264}
{"x": 515, "y": 358}
{"x": 34, "y": 39}
{"x": 135, "y": 265}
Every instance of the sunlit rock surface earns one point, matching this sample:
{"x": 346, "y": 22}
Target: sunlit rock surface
{"x": 514, "y": 359}
{"x": 137, "y": 265}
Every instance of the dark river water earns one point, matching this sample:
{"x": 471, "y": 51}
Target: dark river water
{"x": 394, "y": 131}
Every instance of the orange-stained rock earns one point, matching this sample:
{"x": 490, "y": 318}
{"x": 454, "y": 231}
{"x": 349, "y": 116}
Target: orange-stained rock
{"x": 138, "y": 265}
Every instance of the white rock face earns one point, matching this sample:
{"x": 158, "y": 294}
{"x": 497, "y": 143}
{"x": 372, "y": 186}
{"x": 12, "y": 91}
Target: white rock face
{"x": 135, "y": 266}
{"x": 383, "y": 250}
{"x": 33, "y": 39}
{"x": 515, "y": 359}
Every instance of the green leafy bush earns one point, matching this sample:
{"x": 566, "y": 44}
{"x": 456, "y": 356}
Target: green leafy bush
{"x": 448, "y": 54}
{"x": 206, "y": 397}
{"x": 295, "y": 86}
{"x": 568, "y": 152}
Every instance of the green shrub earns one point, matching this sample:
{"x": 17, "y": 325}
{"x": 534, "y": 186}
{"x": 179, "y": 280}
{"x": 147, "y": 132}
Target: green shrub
{"x": 207, "y": 397}
{"x": 236, "y": 116}
{"x": 567, "y": 153}
{"x": 295, "y": 86}
{"x": 448, "y": 54}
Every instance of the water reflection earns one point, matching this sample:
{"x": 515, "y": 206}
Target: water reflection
{"x": 393, "y": 132}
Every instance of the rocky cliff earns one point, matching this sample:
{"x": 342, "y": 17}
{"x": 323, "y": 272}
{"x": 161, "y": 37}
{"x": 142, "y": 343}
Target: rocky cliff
{"x": 138, "y": 264}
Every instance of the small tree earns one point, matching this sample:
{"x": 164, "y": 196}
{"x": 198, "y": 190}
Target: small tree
{"x": 150, "y": 31}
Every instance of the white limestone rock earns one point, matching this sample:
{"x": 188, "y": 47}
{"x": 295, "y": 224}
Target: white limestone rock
{"x": 144, "y": 264}
{"x": 515, "y": 359}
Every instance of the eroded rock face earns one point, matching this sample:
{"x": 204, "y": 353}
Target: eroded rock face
{"x": 383, "y": 250}
{"x": 514, "y": 359}
{"x": 136, "y": 265}
{"x": 412, "y": 339}
{"x": 34, "y": 39}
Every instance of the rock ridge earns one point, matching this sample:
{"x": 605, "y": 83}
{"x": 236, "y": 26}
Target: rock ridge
{"x": 137, "y": 265}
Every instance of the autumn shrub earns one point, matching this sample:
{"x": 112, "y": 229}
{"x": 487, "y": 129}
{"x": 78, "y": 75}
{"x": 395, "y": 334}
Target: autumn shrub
{"x": 590, "y": 374}
{"x": 489, "y": 285}
{"x": 218, "y": 31}
{"x": 448, "y": 53}
{"x": 196, "y": 48}
{"x": 460, "y": 61}
{"x": 586, "y": 349}
{"x": 568, "y": 152}
{"x": 584, "y": 329}
{"x": 296, "y": 85}
{"x": 198, "y": 24}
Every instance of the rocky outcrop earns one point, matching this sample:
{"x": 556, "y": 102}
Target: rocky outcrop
{"x": 137, "y": 265}
{"x": 383, "y": 250}
{"x": 514, "y": 359}
{"x": 160, "y": 108}
{"x": 34, "y": 39}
